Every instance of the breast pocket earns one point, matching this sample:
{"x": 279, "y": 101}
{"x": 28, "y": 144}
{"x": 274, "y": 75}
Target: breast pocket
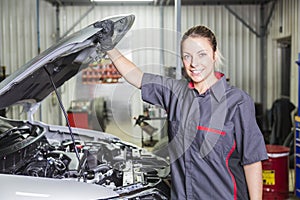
{"x": 212, "y": 141}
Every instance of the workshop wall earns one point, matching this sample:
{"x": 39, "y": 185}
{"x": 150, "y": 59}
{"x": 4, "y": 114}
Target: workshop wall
{"x": 149, "y": 46}
{"x": 20, "y": 41}
{"x": 238, "y": 45}
{"x": 284, "y": 24}
{"x": 151, "y": 41}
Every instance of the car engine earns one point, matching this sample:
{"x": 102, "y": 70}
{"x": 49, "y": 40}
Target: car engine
{"x": 39, "y": 150}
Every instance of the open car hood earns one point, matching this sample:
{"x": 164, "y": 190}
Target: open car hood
{"x": 31, "y": 83}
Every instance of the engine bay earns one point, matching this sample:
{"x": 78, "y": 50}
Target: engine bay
{"x": 39, "y": 150}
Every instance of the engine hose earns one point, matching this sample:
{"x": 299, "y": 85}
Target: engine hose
{"x": 101, "y": 168}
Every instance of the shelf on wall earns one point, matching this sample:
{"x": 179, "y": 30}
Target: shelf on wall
{"x": 101, "y": 72}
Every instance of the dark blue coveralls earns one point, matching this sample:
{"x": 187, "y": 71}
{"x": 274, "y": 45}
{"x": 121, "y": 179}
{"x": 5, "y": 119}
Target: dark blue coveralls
{"x": 211, "y": 137}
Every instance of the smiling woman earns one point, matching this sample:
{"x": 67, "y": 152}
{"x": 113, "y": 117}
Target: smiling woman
{"x": 209, "y": 120}
{"x": 198, "y": 60}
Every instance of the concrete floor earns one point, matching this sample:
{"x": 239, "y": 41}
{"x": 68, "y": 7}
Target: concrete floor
{"x": 125, "y": 131}
{"x": 292, "y": 184}
{"x": 293, "y": 197}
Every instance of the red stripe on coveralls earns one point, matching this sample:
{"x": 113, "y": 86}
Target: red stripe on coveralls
{"x": 232, "y": 177}
{"x": 203, "y": 128}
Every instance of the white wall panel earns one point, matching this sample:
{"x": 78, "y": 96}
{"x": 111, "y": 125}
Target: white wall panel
{"x": 16, "y": 24}
{"x": 18, "y": 36}
{"x": 240, "y": 47}
{"x": 19, "y": 31}
{"x": 237, "y": 44}
{"x": 141, "y": 44}
{"x": 286, "y": 15}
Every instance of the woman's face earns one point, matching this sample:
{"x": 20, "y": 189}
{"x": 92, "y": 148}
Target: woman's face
{"x": 198, "y": 58}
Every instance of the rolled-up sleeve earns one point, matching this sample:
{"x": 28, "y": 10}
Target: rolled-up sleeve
{"x": 158, "y": 90}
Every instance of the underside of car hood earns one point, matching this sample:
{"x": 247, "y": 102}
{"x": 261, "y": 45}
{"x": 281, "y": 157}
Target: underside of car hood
{"x": 32, "y": 82}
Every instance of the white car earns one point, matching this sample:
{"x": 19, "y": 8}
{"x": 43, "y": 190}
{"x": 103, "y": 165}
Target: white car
{"x": 40, "y": 161}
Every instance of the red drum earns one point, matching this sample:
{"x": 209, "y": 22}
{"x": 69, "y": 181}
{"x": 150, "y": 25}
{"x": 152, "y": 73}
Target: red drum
{"x": 276, "y": 173}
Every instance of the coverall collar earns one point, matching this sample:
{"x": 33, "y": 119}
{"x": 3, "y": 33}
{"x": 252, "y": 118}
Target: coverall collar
{"x": 218, "y": 89}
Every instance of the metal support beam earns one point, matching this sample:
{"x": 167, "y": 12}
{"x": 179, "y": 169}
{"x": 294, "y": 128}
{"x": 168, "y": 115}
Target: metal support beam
{"x": 263, "y": 50}
{"x": 162, "y": 47}
{"x": 242, "y": 20}
{"x": 78, "y": 21}
{"x": 265, "y": 24}
{"x": 178, "y": 37}
{"x": 57, "y": 23}
{"x": 263, "y": 45}
{"x": 38, "y": 44}
{"x": 263, "y": 57}
{"x": 57, "y": 39}
{"x": 270, "y": 14}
